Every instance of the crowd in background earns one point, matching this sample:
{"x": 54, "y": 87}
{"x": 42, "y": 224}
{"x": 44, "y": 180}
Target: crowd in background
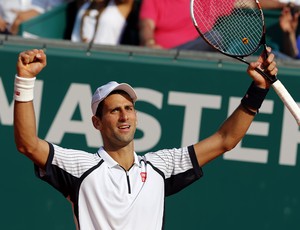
{"x": 158, "y": 24}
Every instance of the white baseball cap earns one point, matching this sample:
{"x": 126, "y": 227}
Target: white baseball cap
{"x": 103, "y": 91}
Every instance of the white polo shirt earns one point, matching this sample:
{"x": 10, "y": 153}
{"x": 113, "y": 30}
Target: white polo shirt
{"x": 105, "y": 196}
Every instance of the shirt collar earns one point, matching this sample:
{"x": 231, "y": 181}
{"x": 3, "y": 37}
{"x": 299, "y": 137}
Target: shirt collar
{"x": 111, "y": 162}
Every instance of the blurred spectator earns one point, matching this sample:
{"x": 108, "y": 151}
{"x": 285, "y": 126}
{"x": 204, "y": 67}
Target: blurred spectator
{"x": 15, "y": 12}
{"x": 167, "y": 24}
{"x": 288, "y": 21}
{"x": 272, "y": 4}
{"x": 102, "y": 21}
{"x": 12, "y": 12}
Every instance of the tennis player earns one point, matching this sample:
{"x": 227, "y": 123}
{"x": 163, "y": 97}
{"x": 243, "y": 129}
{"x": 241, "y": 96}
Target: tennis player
{"x": 115, "y": 188}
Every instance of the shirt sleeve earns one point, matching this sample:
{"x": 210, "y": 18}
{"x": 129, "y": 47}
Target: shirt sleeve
{"x": 65, "y": 168}
{"x": 149, "y": 10}
{"x": 179, "y": 167}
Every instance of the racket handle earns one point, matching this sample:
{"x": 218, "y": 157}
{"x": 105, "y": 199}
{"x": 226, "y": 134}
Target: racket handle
{"x": 287, "y": 100}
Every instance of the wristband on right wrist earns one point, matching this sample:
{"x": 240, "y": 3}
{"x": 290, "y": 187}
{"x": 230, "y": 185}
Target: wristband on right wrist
{"x": 24, "y": 89}
{"x": 254, "y": 97}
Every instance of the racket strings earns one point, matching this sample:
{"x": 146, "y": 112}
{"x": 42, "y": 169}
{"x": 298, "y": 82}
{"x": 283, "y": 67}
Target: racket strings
{"x": 238, "y": 41}
{"x": 231, "y": 26}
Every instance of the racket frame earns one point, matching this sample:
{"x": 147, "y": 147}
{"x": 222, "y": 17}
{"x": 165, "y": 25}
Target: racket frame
{"x": 241, "y": 58}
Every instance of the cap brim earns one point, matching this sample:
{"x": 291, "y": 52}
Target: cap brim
{"x": 121, "y": 86}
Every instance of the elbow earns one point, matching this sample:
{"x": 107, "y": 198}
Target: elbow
{"x": 25, "y": 148}
{"x": 229, "y": 146}
{"x": 229, "y": 142}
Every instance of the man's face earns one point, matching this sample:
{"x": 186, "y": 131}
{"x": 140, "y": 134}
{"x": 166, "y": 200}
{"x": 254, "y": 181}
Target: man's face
{"x": 118, "y": 122}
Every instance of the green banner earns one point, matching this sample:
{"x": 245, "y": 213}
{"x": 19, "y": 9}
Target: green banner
{"x": 183, "y": 98}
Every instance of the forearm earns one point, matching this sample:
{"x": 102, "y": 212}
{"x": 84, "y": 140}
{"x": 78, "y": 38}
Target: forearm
{"x": 25, "y": 133}
{"x": 25, "y": 127}
{"x": 147, "y": 32}
{"x": 265, "y": 4}
{"x": 22, "y": 16}
{"x": 227, "y": 137}
{"x": 290, "y": 45}
{"x": 234, "y": 127}
{"x": 272, "y": 4}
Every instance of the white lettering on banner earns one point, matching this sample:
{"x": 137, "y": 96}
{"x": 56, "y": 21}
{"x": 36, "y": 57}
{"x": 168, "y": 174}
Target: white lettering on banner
{"x": 257, "y": 128}
{"x": 7, "y": 109}
{"x": 149, "y": 125}
{"x": 193, "y": 103}
{"x": 78, "y": 95}
{"x": 290, "y": 140}
{"x": 37, "y": 102}
{"x": 151, "y": 128}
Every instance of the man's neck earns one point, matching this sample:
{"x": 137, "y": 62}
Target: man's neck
{"x": 123, "y": 156}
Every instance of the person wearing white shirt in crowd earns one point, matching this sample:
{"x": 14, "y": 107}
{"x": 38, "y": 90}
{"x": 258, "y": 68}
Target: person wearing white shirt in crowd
{"x": 11, "y": 12}
{"x": 15, "y": 12}
{"x": 101, "y": 22}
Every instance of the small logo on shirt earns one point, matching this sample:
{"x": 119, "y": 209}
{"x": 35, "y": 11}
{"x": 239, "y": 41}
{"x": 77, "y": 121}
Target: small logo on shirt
{"x": 143, "y": 176}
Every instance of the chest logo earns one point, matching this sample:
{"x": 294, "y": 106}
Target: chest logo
{"x": 143, "y": 176}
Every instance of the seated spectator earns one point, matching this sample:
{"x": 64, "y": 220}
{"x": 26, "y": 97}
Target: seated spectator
{"x": 289, "y": 25}
{"x": 15, "y": 12}
{"x": 102, "y": 22}
{"x": 167, "y": 24}
{"x": 12, "y": 12}
{"x": 272, "y": 4}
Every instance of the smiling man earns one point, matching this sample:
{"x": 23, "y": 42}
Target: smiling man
{"x": 115, "y": 188}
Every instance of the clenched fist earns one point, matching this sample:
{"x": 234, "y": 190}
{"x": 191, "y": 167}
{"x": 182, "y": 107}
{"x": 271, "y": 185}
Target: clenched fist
{"x": 30, "y": 63}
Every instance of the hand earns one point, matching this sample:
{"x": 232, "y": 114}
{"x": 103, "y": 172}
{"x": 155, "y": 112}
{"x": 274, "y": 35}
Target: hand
{"x": 3, "y": 25}
{"x": 288, "y": 22}
{"x": 21, "y": 16}
{"x": 268, "y": 65}
{"x": 154, "y": 46}
{"x": 30, "y": 63}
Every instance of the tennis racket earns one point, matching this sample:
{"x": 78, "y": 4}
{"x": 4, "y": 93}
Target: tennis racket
{"x": 236, "y": 28}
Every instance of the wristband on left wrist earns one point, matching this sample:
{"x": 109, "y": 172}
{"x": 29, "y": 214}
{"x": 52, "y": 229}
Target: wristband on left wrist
{"x": 254, "y": 98}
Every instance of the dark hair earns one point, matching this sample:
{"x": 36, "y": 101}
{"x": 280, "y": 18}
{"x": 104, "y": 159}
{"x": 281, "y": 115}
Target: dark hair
{"x": 100, "y": 106}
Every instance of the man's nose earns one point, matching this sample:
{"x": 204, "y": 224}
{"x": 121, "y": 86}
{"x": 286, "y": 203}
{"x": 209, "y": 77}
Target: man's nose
{"x": 123, "y": 116}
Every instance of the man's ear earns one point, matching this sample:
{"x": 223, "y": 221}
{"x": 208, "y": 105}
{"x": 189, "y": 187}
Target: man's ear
{"x": 136, "y": 121}
{"x": 97, "y": 122}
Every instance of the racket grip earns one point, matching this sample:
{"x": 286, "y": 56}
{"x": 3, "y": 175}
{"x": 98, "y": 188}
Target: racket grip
{"x": 287, "y": 100}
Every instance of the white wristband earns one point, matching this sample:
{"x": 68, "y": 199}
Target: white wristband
{"x": 24, "y": 88}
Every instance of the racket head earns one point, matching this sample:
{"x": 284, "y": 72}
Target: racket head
{"x": 234, "y": 27}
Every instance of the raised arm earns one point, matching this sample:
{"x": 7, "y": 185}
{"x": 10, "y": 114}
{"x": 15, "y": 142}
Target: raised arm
{"x": 29, "y": 64}
{"x": 289, "y": 23}
{"x": 235, "y": 127}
